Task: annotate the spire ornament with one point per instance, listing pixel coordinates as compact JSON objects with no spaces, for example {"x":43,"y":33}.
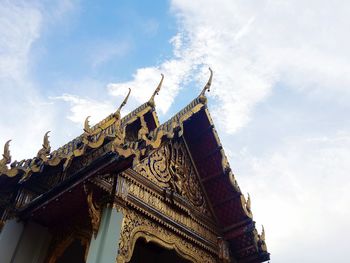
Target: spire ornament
{"x":156,"y":92}
{"x":262,"y":235}
{"x":87,"y":127}
{"x":246,"y":205}
{"x":46,"y":148}
{"x":117,"y":113}
{"x":261,"y":242}
{"x":46,"y":142}
{"x":6,"y":155}
{"x":119,"y":132}
{"x":206,"y":87}
{"x":10,"y":172}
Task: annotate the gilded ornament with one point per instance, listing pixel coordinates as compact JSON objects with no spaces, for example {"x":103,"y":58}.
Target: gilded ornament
{"x":170,"y":167}
{"x":87,"y":127}
{"x":6,"y":155}
{"x":224,"y":251}
{"x":7,"y":160}
{"x":262,"y":235}
{"x":206,"y":87}
{"x":143,"y":131}
{"x":262,"y":240}
{"x":156,"y":92}
{"x":136,"y":226}
{"x":44,"y":152}
{"x":117,"y":113}
{"x":246,"y":205}
{"x":94,"y":212}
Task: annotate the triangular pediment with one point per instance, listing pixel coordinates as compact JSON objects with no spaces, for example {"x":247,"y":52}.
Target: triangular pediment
{"x":171,"y":168}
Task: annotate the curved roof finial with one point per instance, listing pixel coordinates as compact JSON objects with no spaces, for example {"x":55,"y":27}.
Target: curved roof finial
{"x":248,"y":205}
{"x":6,"y":155}
{"x":46,"y":142}
{"x":151,"y":100}
{"x":87,"y":127}
{"x":123,"y":103}
{"x":207,"y":86}
{"x":262,"y":235}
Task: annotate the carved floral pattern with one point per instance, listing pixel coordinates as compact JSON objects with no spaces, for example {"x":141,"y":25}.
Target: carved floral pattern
{"x":137,"y":226}
{"x":170,"y":167}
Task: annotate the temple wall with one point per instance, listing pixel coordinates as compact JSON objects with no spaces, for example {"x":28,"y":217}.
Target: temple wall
{"x":21,"y":243}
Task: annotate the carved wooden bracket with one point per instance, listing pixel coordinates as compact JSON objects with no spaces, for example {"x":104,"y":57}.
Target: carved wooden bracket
{"x":224,"y":252}
{"x":95,"y":211}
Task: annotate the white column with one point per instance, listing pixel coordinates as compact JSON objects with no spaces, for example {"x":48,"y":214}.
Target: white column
{"x":23,"y":243}
{"x":33,"y":245}
{"x":9,"y":239}
{"x":104,"y":247}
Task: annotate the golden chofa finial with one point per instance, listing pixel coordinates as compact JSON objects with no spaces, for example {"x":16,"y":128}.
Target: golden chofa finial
{"x":117,"y":113}
{"x":262,"y":235}
{"x":156,"y":92}
{"x":45,"y":151}
{"x":6,"y":155}
{"x":87,"y":127}
{"x":207,"y":86}
{"x":248,"y":203}
{"x":46,"y":142}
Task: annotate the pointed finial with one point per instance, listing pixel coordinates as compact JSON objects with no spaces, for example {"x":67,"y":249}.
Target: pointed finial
{"x":87,"y":128}
{"x":123,"y":104}
{"x":6,"y":155}
{"x":248,"y":203}
{"x":207,"y":86}
{"x":46,"y":142}
{"x":45,"y":151}
{"x":156,"y":92}
{"x":262,"y":236}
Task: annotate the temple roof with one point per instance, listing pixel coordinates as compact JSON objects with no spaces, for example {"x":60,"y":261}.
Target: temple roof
{"x":231,"y":209}
{"x":23,"y":169}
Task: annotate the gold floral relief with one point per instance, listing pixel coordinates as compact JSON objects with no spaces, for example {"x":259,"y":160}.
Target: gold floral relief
{"x":159,"y":166}
{"x":170,"y":167}
{"x":168,"y":210}
{"x":137,"y":226}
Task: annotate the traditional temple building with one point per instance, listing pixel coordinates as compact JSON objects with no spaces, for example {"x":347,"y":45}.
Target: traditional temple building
{"x":129,"y":190}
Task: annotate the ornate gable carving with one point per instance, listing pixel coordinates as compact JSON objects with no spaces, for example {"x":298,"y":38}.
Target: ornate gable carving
{"x":170,"y":167}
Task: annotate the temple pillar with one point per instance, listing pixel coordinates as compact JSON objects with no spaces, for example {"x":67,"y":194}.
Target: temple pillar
{"x":9,"y":239}
{"x":22,"y":243}
{"x":104,"y":247}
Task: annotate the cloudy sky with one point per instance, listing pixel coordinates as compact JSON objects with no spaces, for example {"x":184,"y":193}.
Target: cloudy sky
{"x":280,"y":97}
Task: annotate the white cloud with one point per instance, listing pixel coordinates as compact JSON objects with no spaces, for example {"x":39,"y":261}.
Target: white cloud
{"x":252,"y":46}
{"x":146,"y":80}
{"x":25,"y":114}
{"x":80,"y":108}
{"x":19,"y":27}
{"x":300,"y":192}
{"x":20,"y":102}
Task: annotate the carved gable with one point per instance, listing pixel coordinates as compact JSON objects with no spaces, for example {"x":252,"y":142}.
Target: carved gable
{"x":171,"y":168}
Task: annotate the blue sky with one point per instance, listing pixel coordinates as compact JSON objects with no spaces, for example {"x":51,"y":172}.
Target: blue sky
{"x":280,"y":94}
{"x":97,"y":38}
